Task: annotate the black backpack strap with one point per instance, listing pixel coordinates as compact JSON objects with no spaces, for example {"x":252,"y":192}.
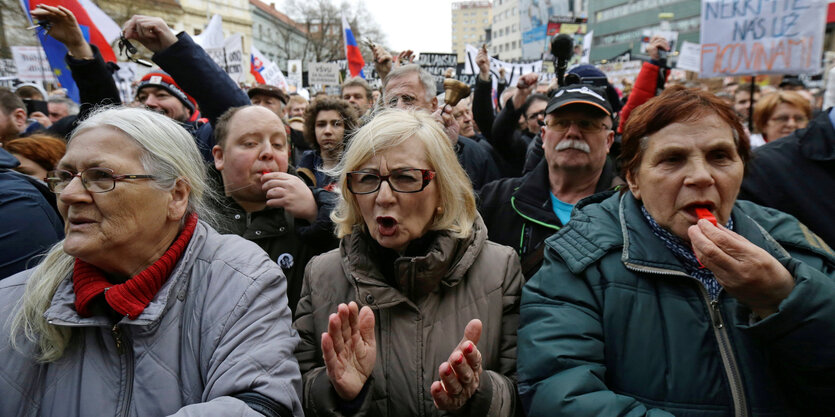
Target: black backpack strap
{"x":264,"y":405}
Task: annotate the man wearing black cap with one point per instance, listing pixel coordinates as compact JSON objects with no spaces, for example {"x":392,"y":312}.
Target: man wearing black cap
{"x":522,"y":212}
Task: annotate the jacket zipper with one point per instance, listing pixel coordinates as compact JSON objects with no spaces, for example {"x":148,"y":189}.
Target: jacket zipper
{"x":721,"y":334}
{"x":419,"y":325}
{"x":126,"y":361}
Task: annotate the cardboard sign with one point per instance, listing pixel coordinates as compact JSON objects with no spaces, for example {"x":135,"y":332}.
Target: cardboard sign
{"x":512,"y":71}
{"x":745,"y":37}
{"x":32,"y":64}
{"x":322,"y":73}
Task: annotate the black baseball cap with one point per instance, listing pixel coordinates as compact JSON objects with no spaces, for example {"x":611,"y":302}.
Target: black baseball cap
{"x":577,"y":94}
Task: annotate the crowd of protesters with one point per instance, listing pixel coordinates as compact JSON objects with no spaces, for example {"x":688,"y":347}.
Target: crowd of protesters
{"x":569,"y":250}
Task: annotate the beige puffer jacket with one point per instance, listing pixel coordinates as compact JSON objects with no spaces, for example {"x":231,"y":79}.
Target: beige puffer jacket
{"x":456,"y":281}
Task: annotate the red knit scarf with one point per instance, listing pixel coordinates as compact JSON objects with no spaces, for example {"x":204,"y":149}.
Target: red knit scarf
{"x":131,"y":297}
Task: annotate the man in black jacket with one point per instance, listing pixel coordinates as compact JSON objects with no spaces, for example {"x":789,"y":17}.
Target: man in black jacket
{"x":522,"y":212}
{"x":410,"y":86}
{"x":796,"y":174}
{"x":265,"y":201}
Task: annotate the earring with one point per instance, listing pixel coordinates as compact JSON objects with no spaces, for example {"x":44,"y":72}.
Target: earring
{"x":439,"y":210}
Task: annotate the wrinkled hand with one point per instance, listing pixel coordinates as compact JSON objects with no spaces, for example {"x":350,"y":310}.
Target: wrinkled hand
{"x":461,"y":373}
{"x":482,"y":60}
{"x":349,"y":349}
{"x":41,"y":118}
{"x":450,"y":125}
{"x":404,"y":58}
{"x":291,"y":193}
{"x":64,"y":29}
{"x":655,"y":43}
{"x":151,"y":32}
{"x":524,"y":87}
{"x":746,"y":271}
{"x":382,"y":61}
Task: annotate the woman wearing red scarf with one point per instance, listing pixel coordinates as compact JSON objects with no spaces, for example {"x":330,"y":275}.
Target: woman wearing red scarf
{"x":144,"y":309}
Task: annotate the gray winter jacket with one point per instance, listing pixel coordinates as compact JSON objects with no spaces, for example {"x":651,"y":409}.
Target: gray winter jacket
{"x":217,"y":332}
{"x":419,"y":322}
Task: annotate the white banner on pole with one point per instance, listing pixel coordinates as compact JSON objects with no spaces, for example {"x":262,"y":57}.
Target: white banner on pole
{"x":32,"y":64}
{"x":512,"y":71}
{"x":765,"y":37}
{"x":322,"y":73}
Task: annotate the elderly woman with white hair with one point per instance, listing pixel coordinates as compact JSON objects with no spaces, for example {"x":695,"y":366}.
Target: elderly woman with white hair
{"x":416,"y":312}
{"x":144,"y":309}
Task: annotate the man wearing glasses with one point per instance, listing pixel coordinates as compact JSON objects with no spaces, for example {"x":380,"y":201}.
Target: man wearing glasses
{"x":522,"y":212}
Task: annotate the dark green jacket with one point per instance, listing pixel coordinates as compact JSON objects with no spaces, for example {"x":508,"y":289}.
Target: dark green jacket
{"x":611,"y":325}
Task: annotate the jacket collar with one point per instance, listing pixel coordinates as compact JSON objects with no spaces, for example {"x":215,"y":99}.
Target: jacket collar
{"x":445,"y":263}
{"x":817,"y":141}
{"x":63,"y":311}
{"x":533,"y":198}
{"x":616,"y":223}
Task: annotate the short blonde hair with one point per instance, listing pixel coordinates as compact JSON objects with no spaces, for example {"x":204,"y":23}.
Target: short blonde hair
{"x":388,"y":129}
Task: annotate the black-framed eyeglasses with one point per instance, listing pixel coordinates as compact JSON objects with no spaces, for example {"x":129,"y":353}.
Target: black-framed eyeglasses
{"x":406,"y":180}
{"x":127,"y":48}
{"x":585,"y":125}
{"x":94,"y":180}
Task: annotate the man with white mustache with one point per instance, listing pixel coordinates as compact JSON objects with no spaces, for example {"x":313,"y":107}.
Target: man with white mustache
{"x":522,"y":212}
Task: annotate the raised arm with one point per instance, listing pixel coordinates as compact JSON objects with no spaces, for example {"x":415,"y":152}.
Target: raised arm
{"x":189,"y":65}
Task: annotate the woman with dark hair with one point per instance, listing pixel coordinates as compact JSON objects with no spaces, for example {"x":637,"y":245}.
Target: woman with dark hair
{"x":37,"y":154}
{"x":327,"y":123}
{"x":672,"y":297}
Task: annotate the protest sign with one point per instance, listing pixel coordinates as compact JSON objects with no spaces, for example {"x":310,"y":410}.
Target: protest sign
{"x":689,"y":57}
{"x":745,"y":37}
{"x":294,"y":72}
{"x":436,"y":64}
{"x":512,"y":71}
{"x":31,"y":64}
{"x":322,"y":73}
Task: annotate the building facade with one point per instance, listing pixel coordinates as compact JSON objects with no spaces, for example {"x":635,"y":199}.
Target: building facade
{"x":619,"y":25}
{"x":276,"y":35}
{"x":470,"y":21}
{"x":506,"y":35}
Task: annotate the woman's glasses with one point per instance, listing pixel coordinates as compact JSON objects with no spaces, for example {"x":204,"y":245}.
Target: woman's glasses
{"x":406,"y":180}
{"x":94,"y":180}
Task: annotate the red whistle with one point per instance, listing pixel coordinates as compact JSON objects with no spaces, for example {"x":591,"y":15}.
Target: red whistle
{"x":267,"y":171}
{"x":704,"y":213}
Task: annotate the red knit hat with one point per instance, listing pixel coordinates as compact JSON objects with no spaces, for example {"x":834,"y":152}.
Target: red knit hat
{"x":160,"y":79}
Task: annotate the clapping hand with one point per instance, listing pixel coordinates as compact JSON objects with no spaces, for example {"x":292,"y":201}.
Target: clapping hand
{"x":349,"y":349}
{"x":461,"y":373}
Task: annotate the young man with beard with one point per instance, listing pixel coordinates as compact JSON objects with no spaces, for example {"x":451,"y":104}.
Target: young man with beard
{"x":327,"y":123}
{"x":522,"y":212}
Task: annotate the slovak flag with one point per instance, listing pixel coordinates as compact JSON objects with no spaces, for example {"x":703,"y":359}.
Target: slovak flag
{"x":265,"y":71}
{"x":102,"y":34}
{"x":352,"y":50}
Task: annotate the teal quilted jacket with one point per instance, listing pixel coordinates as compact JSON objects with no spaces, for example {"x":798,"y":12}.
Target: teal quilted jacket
{"x":611,"y":325}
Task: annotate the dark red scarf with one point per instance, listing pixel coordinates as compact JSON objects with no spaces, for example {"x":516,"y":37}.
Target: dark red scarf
{"x":131,"y":297}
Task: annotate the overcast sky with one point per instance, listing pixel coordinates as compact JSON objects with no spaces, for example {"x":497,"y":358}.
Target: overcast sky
{"x":422,"y":25}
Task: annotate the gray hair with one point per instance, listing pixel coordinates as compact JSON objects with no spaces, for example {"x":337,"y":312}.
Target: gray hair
{"x":427,"y":79}
{"x":72,"y":106}
{"x":170,"y":153}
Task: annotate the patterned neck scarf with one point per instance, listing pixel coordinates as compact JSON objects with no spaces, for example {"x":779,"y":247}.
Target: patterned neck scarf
{"x":684,"y":253}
